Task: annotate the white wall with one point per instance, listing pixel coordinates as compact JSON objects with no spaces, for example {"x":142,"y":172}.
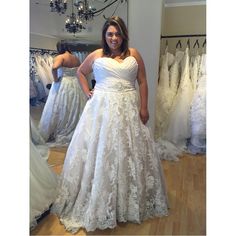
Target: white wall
{"x":183,"y":20}
{"x":144,"y":25}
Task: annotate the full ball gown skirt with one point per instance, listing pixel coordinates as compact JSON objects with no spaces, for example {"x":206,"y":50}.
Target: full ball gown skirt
{"x":112,"y":170}
{"x":62,"y":110}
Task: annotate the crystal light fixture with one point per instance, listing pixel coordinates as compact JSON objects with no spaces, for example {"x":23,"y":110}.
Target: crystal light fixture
{"x":84,"y":10}
{"x":73,"y":24}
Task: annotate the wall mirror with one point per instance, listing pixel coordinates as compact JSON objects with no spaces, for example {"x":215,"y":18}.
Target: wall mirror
{"x":47,"y":27}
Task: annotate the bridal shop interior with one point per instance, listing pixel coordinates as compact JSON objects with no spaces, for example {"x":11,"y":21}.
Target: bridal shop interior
{"x":171,"y":37}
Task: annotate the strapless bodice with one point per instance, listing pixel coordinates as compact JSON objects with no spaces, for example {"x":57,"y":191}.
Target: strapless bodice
{"x":114,"y":76}
{"x":64,"y":71}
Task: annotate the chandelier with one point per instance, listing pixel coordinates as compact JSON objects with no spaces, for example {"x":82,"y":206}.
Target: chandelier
{"x":85,"y":12}
{"x":73,"y":23}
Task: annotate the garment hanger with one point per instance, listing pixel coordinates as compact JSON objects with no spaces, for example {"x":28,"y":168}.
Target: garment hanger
{"x":204,"y":43}
{"x":178,"y":44}
{"x":166,"y":48}
{"x":188,"y":43}
{"x":166,"y":43}
{"x":196,"y":43}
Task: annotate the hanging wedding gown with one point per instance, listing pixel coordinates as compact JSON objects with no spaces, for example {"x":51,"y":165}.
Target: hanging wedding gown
{"x":62,"y":110}
{"x":174,"y":75}
{"x":43,"y":184}
{"x":198,"y":112}
{"x":178,"y":130}
{"x":112,"y":170}
{"x":163,"y":98}
{"x":42,"y":69}
{"x":38,"y":140}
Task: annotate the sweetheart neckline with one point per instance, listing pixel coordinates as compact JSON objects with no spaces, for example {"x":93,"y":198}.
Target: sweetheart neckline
{"x":116,"y":60}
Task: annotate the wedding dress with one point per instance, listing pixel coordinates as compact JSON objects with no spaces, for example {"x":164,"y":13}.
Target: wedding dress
{"x":62,"y":110}
{"x":43,"y":184}
{"x":163,"y":99}
{"x":198,"y":112}
{"x":112,"y":170}
{"x":38,"y":140}
{"x":179,"y":130}
{"x":42,"y":70}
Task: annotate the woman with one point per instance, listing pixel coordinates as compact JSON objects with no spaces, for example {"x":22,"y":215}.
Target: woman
{"x":112,"y":171}
{"x":65,"y":101}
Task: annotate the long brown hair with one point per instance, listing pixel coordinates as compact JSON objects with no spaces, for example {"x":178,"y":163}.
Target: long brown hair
{"x":119,"y":23}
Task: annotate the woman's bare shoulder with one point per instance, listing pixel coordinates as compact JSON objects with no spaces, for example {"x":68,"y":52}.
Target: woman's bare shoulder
{"x":94,"y":55}
{"x":97,"y":53}
{"x":134,"y":52}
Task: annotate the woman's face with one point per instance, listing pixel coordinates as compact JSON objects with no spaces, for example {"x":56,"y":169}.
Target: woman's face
{"x":113,"y":38}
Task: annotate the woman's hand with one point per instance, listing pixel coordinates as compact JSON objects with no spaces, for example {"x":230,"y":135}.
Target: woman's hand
{"x":144,"y":115}
{"x":89,"y":94}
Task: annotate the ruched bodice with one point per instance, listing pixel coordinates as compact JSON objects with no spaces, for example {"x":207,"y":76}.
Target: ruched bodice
{"x":114,"y":76}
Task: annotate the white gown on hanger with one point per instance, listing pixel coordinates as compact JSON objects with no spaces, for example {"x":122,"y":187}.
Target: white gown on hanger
{"x":42,"y":71}
{"x":163,"y":98}
{"x":198,"y":112}
{"x":38,"y":140}
{"x":62,"y":110}
{"x":43,"y":183}
{"x":112,"y":170}
{"x":174,"y":79}
{"x":178,"y":130}
{"x":174,"y":75}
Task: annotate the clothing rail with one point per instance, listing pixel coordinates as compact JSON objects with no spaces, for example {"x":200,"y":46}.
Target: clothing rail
{"x":182,"y":36}
{"x":42,"y":50}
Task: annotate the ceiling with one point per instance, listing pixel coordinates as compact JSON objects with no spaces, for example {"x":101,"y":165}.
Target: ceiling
{"x":51,"y":24}
{"x":183,"y":2}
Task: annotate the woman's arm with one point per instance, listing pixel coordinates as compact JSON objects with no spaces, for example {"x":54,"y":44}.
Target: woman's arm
{"x":143,"y":87}
{"x":84,"y":69}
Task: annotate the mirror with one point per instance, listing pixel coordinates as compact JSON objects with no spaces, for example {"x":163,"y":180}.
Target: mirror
{"x":46,"y":29}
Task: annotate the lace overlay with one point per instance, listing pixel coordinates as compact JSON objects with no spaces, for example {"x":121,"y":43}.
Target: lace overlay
{"x":164,"y":95}
{"x":198,"y":112}
{"x":112,"y":171}
{"x":62,"y":110}
{"x":179,"y":130}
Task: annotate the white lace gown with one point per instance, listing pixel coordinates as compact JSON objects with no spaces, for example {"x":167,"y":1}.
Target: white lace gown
{"x":198,"y":112}
{"x":112,"y":170}
{"x":163,"y":99}
{"x":38,"y":140}
{"x":43,"y":184}
{"x":43,"y":68}
{"x":179,"y":129}
{"x":62,"y":110}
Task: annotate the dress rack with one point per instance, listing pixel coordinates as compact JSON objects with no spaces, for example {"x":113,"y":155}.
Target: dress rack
{"x":182,"y":36}
{"x":43,"y":51}
{"x":179,"y":44}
